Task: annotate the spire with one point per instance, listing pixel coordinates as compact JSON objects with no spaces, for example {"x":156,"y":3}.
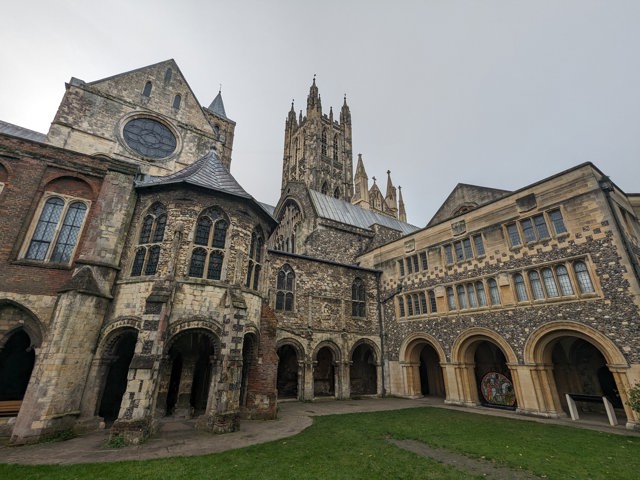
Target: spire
{"x":402,"y":213}
{"x":217,"y":106}
{"x":360,"y":171}
{"x":361,"y":184}
{"x":345,"y":113}
{"x":390,"y":198}
{"x":291,"y":118}
{"x":313,"y":100}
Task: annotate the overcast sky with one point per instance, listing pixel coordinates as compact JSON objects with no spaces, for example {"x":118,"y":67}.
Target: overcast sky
{"x":492,"y":93}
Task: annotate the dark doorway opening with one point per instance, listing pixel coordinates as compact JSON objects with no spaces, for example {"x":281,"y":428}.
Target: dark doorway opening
{"x":287,"y":382}
{"x":363,"y":372}
{"x":116,"y":381}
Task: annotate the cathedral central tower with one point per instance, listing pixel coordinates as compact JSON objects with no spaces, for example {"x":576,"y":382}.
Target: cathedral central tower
{"x":317,"y":149}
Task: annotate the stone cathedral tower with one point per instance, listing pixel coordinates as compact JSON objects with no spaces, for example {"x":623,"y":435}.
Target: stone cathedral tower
{"x":317,"y":149}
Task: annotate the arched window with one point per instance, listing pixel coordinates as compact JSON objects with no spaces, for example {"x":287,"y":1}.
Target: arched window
{"x":471,"y":294}
{"x":582,"y":275}
{"x":358,"y":299}
{"x":56,"y":234}
{"x":423,"y":303}
{"x":550,"y":283}
{"x":536,"y":285}
{"x":432,"y":301}
{"x":151,"y":236}
{"x":210,"y":237}
{"x":451,"y":298}
{"x":521,"y":289}
{"x":147,"y":89}
{"x":335,"y":147}
{"x":336,"y":192}
{"x":285,"y":284}
{"x":323,"y":142}
{"x":482,"y":297}
{"x":462,"y":298}
{"x":167,"y":75}
{"x":255,"y":259}
{"x":563,"y":279}
{"x":176,"y":102}
{"x":325,"y":189}
{"x":494,"y":294}
{"x":401,"y":311}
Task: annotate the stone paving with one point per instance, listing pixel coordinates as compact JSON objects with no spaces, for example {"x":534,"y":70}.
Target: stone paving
{"x":179,"y":438}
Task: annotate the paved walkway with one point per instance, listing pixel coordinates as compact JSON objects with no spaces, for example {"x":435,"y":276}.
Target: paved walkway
{"x":178,"y":437}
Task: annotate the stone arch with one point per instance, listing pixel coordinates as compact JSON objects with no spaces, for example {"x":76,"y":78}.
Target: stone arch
{"x":482,"y":356}
{"x":290,"y":373}
{"x":553,"y":349}
{"x":117,"y":350}
{"x":326,"y":377}
{"x":106,"y":336}
{"x":539,"y":339}
{"x":18,"y":316}
{"x":210,"y":324}
{"x":421,"y":359}
{"x":189,"y":365}
{"x":364,"y":368}
{"x":62,"y":184}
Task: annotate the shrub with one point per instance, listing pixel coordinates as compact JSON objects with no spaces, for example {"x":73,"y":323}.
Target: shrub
{"x":634,"y":397}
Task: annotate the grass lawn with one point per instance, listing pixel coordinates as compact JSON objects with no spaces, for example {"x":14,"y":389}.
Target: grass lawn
{"x":356,"y":447}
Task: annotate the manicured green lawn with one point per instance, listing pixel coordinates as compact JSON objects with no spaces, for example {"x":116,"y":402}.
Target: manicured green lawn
{"x":354,"y":447}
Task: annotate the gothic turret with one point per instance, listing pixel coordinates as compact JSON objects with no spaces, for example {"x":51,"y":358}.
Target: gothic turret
{"x":402,"y":213}
{"x":391,"y":205}
{"x":361,"y":184}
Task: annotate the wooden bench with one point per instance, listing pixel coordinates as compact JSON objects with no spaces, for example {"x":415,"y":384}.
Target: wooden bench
{"x":572,"y":398}
{"x":10,"y":408}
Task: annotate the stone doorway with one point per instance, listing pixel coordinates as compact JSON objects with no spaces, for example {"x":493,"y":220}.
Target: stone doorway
{"x":363,"y":371}
{"x":287,"y":382}
{"x":431,"y":379}
{"x":324,"y":374}
{"x":189,"y":362}
{"x":17,"y":358}
{"x":493,"y":377}
{"x":119,"y":357}
{"x":580,"y":368}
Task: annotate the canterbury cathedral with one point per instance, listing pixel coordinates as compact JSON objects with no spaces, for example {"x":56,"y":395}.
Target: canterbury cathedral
{"x":139,"y":280}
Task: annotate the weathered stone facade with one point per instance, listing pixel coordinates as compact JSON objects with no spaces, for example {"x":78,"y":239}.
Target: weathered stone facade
{"x":138,"y":279}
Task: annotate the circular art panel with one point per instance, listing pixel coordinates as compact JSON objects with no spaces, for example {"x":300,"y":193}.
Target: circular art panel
{"x":497,"y":389}
{"x":149,"y":138}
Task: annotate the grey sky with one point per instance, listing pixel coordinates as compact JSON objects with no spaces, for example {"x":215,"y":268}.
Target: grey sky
{"x":492,"y":93}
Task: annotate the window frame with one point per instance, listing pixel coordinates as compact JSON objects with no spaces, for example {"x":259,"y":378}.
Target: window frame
{"x":68,"y":201}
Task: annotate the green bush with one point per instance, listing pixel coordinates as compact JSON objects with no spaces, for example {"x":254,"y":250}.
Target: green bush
{"x":634,"y":397}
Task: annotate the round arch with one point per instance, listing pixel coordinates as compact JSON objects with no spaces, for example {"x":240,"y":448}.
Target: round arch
{"x":536,"y":351}
{"x":293,"y":343}
{"x":463,"y":353}
{"x":409,"y":353}
{"x":335,"y":350}
{"x":28,"y":321}
{"x":369,"y":343}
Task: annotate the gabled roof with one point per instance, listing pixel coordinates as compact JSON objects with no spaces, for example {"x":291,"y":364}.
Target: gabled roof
{"x":344,"y":212}
{"x":16,"y":131}
{"x":208,"y":172}
{"x":468,"y":196}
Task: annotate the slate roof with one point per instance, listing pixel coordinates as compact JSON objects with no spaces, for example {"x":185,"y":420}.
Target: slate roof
{"x":344,"y":212}
{"x":16,"y":131}
{"x":217,"y":106}
{"x":208,"y":172}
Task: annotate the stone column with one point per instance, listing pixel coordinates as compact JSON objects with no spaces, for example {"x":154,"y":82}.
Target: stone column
{"x":411,"y":372}
{"x":183,"y":405}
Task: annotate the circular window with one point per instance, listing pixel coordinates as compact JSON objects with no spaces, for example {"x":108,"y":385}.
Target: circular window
{"x":149,"y":138}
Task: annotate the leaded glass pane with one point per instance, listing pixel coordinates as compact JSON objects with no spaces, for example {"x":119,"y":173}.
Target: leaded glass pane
{"x":161,"y":222}
{"x":280,"y":280}
{"x":68,"y":236}
{"x":459,"y":251}
{"x":409,"y":305}
{"x":409,"y":265}
{"x":202,"y":231}
{"x":401,"y":267}
{"x":462,"y":298}
{"x":288,"y":302}
{"x":471,"y":294}
{"x":557,"y":221}
{"x":256,"y":276}
{"x":152,"y":262}
{"x":138,"y":262}
{"x":145,"y":232}
{"x":45,"y":229}
{"x":521,"y":290}
{"x":448,"y":253}
{"x":416,"y":304}
{"x":196,"y":267}
{"x":149,"y":138}
{"x":215,"y":266}
{"x":563,"y":279}
{"x":451,"y":298}
{"x":527,"y":230}
{"x":423,"y":260}
{"x":423,"y":302}
{"x":477,"y":240}
{"x":401,"y":306}
{"x":582,"y":275}
{"x":220,"y":233}
{"x":259,"y":245}
{"x":482,"y":297}
{"x":550,"y":283}
{"x":432,"y":302}
{"x":541,"y":226}
{"x":494,"y":294}
{"x":468,"y":252}
{"x":280,"y":301}
{"x":514,"y":235}
{"x":416,"y":266}
{"x":536,"y":285}
{"x":289,"y":280}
